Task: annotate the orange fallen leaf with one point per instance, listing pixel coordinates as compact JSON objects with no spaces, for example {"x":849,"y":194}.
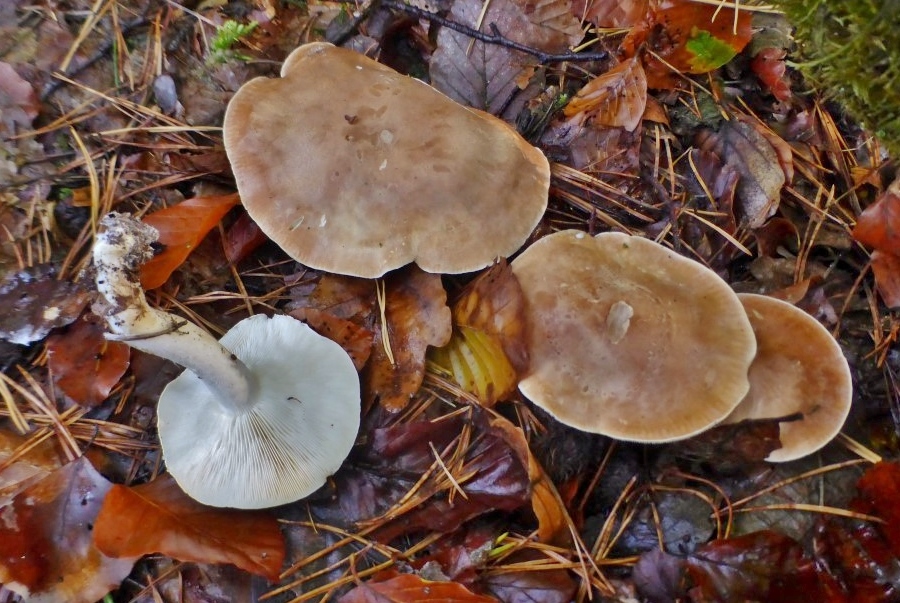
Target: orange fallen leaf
{"x":878,"y":225}
{"x":356,"y":340}
{"x":159,"y":518}
{"x":616,"y":98}
{"x":417,"y":316}
{"x":46,"y":550}
{"x":886,"y":267}
{"x":181,"y":228}
{"x":410,"y":588}
{"x":84,"y":364}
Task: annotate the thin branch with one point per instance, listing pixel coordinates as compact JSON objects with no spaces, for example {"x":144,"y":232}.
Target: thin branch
{"x":495,"y":37}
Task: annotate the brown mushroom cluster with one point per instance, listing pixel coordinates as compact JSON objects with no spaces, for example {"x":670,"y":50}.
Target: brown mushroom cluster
{"x":630,"y":340}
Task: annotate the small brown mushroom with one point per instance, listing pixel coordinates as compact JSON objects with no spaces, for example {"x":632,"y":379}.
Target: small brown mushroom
{"x":355,"y":169}
{"x":799,"y":368}
{"x":629,"y":339}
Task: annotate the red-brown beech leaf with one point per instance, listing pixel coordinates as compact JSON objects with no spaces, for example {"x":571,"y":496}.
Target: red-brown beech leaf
{"x":761,"y":566}
{"x":856,"y":560}
{"x":34,"y":302}
{"x":524,"y":585}
{"x":417,"y":317}
{"x":356,"y":340}
{"x":616,"y":98}
{"x":242,"y":238}
{"x":689,"y":36}
{"x":878,"y":493}
{"x":159,"y":518}
{"x":85,"y":365}
{"x":770,"y":68}
{"x":619,"y":14}
{"x":410,"y":588}
{"x":886,"y":267}
{"x":878,"y":225}
{"x":46,"y":549}
{"x":181,"y":228}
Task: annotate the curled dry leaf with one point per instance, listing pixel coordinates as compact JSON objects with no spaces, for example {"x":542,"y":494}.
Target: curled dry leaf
{"x":159,"y":518}
{"x":487,"y":353}
{"x":181,"y":228}
{"x":84,"y":364}
{"x":417,"y":316}
{"x":616,"y":98}
{"x":743,"y":147}
{"x":410,"y":588}
{"x":46,"y":549}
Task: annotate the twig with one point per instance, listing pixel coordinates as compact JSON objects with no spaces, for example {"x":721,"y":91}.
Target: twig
{"x":495,"y":37}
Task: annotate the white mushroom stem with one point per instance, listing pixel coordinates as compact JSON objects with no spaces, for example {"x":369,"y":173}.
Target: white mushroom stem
{"x":122,"y":246}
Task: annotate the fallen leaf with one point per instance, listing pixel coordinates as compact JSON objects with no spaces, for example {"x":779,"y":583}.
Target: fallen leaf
{"x":242,"y":238}
{"x":159,"y":518}
{"x":657,"y":576}
{"x":611,"y":13}
{"x":84,"y":364}
{"x":878,"y":226}
{"x":886,"y":267}
{"x":36,"y":302}
{"x":22,"y":463}
{"x":761,"y":566}
{"x":46,"y":549}
{"x":19,"y":104}
{"x":729,"y":448}
{"x":689,"y":37}
{"x":485,"y":76}
{"x":345,"y":297}
{"x":526,"y":585}
{"x":770,"y":68}
{"x":476,"y":361}
{"x":415,"y":308}
{"x":181,"y":228}
{"x":616,"y":98}
{"x":357,"y":341}
{"x":409,"y":588}
{"x":856,"y":561}
{"x":741,"y":146}
{"x":878,"y":493}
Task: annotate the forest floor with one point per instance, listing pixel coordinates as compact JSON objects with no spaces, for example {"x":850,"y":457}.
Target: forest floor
{"x":682,"y":121}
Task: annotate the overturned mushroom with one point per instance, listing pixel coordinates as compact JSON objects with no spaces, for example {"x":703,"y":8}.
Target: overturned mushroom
{"x":799,"y":368}
{"x":629,"y":339}
{"x":355,"y":169}
{"x":261,"y":418}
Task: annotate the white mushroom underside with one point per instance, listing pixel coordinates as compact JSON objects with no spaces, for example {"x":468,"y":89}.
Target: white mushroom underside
{"x":287,"y":445}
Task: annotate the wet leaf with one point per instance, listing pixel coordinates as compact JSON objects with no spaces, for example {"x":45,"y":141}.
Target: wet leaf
{"x":741,"y":146}
{"x":529,"y":586}
{"x":612,"y":13}
{"x":84,"y":364}
{"x":23,"y":463}
{"x":181,"y":228}
{"x":616,"y":98}
{"x":878,"y":225}
{"x":242,"y":238}
{"x":762,"y":566}
{"x":409,"y":588}
{"x":46,"y":549}
{"x":770,"y":68}
{"x":729,"y":448}
{"x":657,"y":576}
{"x":878,"y":493}
{"x":485,"y":76}
{"x":886,"y":267}
{"x":859,"y":565}
{"x":35,"y":302}
{"x":159,"y":518}
{"x":415,"y":307}
{"x":690,"y":37}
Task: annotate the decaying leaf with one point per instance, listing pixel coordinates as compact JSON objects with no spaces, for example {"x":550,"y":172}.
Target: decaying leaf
{"x":485,"y":76}
{"x":84,"y":364}
{"x":513,"y":586}
{"x":727,"y":448}
{"x":46,"y":548}
{"x":770,"y":68}
{"x":690,"y":37}
{"x":22,"y":463}
{"x":858,"y":564}
{"x":616,"y":98}
{"x":739,"y":145}
{"x":417,"y":316}
{"x":159,"y":518}
{"x":410,"y":588}
{"x":181,"y":228}
{"x":357,"y":341}
{"x":34,"y":302}
{"x":611,"y":13}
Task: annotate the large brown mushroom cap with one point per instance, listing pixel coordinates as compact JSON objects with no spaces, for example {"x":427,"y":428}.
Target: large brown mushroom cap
{"x":799,"y":368}
{"x":355,"y":169}
{"x":629,"y":339}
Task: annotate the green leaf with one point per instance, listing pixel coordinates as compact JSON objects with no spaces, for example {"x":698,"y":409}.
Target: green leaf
{"x":709,"y":52}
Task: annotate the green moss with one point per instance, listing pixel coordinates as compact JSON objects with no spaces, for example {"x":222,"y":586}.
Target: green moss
{"x":229,"y":34}
{"x":851,"y":53}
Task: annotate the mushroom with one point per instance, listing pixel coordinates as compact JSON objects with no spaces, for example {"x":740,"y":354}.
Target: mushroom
{"x":355,"y":169}
{"x":258,"y":419}
{"x":630,"y":340}
{"x":799,"y":368}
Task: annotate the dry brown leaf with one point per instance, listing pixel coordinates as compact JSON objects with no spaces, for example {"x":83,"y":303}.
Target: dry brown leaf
{"x":35,"y":302}
{"x":410,"y":588}
{"x":616,"y":98}
{"x":417,"y":317}
{"x":46,"y":548}
{"x":886,"y":267}
{"x":356,"y":340}
{"x":612,"y":13}
{"x":740,"y":145}
{"x":159,"y":518}
{"x":25,"y":469}
{"x":878,"y":225}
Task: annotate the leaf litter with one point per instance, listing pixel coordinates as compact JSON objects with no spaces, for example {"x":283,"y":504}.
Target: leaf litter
{"x":683,"y":125}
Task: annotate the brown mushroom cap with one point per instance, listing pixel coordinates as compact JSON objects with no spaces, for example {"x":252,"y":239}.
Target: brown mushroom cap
{"x":629,"y":339}
{"x":799,"y":368}
{"x":355,"y":169}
